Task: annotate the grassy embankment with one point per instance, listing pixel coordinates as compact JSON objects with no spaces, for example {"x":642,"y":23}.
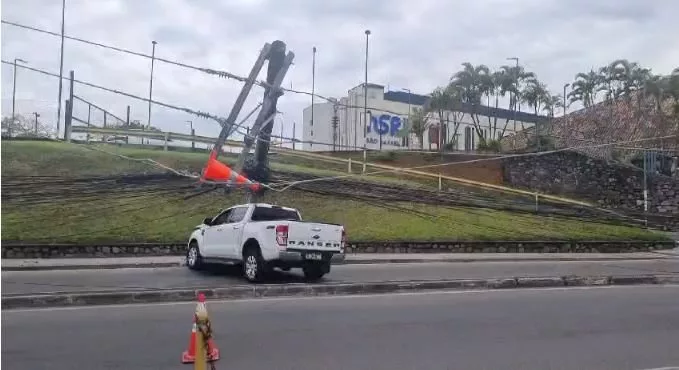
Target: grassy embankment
{"x":158,"y":216}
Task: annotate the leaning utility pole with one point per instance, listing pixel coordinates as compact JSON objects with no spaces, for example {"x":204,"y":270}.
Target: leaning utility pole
{"x":228,"y":127}
{"x":279,"y":63}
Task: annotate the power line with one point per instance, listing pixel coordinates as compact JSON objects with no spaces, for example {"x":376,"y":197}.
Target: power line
{"x":167,"y":105}
{"x":481,"y":160}
{"x":211,"y":71}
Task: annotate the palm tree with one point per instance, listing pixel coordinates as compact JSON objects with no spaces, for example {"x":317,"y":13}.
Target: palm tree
{"x":551,"y":103}
{"x":439,"y":102}
{"x":656,"y":87}
{"x":585,"y":88}
{"x":472,"y":83}
{"x":419,"y":123}
{"x":534,"y":94}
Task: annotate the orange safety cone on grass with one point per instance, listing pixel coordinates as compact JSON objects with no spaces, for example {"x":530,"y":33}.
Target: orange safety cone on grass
{"x":197,"y":353}
{"x":219,"y":172}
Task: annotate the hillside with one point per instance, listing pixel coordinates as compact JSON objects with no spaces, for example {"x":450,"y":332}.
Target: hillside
{"x":57,"y":192}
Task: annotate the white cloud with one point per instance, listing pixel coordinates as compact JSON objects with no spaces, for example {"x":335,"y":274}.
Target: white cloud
{"x":418,"y":45}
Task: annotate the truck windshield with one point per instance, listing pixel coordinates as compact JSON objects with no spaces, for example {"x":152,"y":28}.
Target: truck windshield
{"x":274,"y":214}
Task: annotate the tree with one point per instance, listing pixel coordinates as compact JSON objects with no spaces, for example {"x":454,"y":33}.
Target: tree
{"x":534,"y":94}
{"x":512,"y":82}
{"x":471,"y":84}
{"x":623,"y":77}
{"x":419,"y":123}
{"x":23,"y":127}
{"x":441,"y":101}
{"x":585,"y":88}
{"x":551,"y":103}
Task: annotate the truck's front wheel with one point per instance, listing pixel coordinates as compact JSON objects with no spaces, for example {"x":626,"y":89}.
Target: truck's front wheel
{"x":254,"y":266}
{"x":194,"y":260}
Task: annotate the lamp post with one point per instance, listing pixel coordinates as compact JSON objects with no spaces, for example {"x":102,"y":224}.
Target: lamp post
{"x":313,"y":83}
{"x":193,"y":133}
{"x":14,"y":92}
{"x":564,"y":98}
{"x":514,"y":95}
{"x":36,"y":123}
{"x":365,"y":103}
{"x":153,"y":57}
{"x":408,"y":126}
{"x":61,"y":64}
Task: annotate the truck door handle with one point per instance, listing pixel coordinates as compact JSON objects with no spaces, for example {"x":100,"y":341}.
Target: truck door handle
{"x":236,"y":227}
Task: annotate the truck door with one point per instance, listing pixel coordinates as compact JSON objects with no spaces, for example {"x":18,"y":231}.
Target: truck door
{"x":232,"y":233}
{"x":213,"y":242}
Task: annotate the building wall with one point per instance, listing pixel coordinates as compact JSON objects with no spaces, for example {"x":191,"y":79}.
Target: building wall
{"x":388,"y":114}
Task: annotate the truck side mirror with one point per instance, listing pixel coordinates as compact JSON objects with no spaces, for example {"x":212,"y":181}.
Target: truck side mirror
{"x":207,"y":221}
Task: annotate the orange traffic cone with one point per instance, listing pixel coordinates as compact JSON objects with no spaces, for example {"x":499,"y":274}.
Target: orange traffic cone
{"x":218,"y":171}
{"x":189,"y":356}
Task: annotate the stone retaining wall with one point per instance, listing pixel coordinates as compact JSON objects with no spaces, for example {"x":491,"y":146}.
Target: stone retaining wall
{"x":177,"y":249}
{"x":607,"y":184}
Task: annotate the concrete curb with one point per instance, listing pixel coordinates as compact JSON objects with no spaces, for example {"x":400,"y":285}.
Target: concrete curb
{"x":309,"y":290}
{"x":92,"y":267}
{"x":346,"y":262}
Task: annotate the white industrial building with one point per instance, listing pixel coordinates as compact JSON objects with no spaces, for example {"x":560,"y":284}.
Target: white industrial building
{"x":388,"y":114}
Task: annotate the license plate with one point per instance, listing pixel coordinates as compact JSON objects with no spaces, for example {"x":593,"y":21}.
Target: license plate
{"x":313,"y":256}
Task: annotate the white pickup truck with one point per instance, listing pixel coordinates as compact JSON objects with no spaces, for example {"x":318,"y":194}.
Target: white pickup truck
{"x":262,"y":236}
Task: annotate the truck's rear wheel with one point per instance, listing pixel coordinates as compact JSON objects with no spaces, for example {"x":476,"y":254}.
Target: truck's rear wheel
{"x":194,"y":260}
{"x":314,"y":272}
{"x":254,"y":266}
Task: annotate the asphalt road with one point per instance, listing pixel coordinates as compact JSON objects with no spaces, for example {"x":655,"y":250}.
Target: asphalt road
{"x":615,"y":328}
{"x":25,"y":282}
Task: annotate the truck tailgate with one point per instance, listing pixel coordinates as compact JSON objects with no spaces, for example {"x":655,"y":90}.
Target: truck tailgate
{"x":314,"y":236}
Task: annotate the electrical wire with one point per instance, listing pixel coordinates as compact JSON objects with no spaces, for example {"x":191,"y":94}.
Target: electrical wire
{"x":211,"y":71}
{"x":200,"y":114}
{"x":126,"y":51}
{"x":305,"y":181}
{"x":478,"y":160}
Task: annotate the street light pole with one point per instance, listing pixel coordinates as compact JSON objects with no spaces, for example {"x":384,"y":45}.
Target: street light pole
{"x":564,"y":98}
{"x":14,"y":92}
{"x":36,"y":122}
{"x":313,"y":83}
{"x":193,"y":142}
{"x":409,"y":123}
{"x":515,"y":95}
{"x":153,"y":56}
{"x":365,"y":103}
{"x":61,"y":64}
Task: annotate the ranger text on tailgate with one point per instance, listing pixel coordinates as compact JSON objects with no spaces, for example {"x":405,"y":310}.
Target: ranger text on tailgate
{"x":263,"y":236}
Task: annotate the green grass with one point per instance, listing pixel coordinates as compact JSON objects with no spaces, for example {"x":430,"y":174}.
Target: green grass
{"x":170,"y":218}
{"x":32,"y":158}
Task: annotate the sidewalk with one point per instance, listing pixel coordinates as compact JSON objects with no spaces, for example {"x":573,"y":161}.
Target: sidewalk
{"x":367,"y":258}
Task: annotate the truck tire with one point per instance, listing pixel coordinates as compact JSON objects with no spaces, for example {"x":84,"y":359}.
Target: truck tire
{"x":254,"y":266}
{"x":314,"y":272}
{"x":194,"y":260}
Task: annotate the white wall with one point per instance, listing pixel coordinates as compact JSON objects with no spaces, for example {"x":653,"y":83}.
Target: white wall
{"x":350,"y":131}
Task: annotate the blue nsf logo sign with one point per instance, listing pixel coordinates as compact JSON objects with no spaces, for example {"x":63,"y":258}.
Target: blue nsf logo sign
{"x":390,"y":128}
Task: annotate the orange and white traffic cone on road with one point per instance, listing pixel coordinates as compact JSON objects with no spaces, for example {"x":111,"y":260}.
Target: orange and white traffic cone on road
{"x":197,"y":353}
{"x":219,"y":172}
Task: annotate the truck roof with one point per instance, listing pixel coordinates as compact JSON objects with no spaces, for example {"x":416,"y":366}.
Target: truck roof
{"x":267,"y":205}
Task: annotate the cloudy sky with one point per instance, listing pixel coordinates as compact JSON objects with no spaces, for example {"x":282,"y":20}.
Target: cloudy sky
{"x":414,"y":44}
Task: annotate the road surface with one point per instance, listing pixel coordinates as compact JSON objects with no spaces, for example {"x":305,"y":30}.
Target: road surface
{"x":25,"y":282}
{"x":616,"y":328}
